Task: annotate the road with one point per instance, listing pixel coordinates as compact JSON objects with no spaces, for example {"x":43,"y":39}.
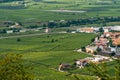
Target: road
{"x":27,"y":35}
{"x":5,"y":37}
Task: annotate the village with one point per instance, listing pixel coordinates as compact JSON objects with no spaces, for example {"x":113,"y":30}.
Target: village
{"x":104,"y":48}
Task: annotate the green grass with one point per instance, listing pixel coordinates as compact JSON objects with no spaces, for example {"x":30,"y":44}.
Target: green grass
{"x":45,"y":56}
{"x":42,"y":42}
{"x":35,"y":11}
{"x":40,"y":51}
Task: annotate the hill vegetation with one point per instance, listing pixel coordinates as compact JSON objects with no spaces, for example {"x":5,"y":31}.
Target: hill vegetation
{"x":46,"y":52}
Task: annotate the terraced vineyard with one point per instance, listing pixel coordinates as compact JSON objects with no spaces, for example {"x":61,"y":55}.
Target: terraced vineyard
{"x":46,"y":52}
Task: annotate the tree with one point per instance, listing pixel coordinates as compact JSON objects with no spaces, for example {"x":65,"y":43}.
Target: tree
{"x":113,"y":53}
{"x":3,"y":31}
{"x":68,"y":30}
{"x":101,"y":30}
{"x":98,"y":49}
{"x":93,"y":39}
{"x":52,"y":40}
{"x":117,"y":70}
{"x":12,"y":68}
{"x":114,"y":1}
{"x":110,"y":43}
{"x":102,"y":71}
{"x":95,"y":53}
{"x":18,"y":39}
{"x":52,"y":24}
{"x":83,"y":49}
{"x":20,"y":23}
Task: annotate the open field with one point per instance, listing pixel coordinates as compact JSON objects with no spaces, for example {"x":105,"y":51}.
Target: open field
{"x":35,"y":10}
{"x":45,"y":55}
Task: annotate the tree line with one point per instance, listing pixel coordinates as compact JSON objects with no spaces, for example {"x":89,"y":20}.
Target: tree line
{"x":83,"y":21}
{"x":77,"y":22}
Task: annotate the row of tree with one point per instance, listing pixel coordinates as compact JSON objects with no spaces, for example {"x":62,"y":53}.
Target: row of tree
{"x":68,"y":23}
{"x":83,"y":21}
{"x":3,"y":31}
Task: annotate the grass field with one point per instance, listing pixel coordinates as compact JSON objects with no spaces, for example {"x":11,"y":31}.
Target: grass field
{"x":35,"y":11}
{"x":45,"y":52}
{"x":45,"y":55}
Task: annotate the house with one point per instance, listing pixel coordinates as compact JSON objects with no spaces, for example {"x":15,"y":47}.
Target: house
{"x":95,"y":59}
{"x":107,"y":34}
{"x":99,"y":58}
{"x":73,"y":32}
{"x":118,"y":51}
{"x":23,"y":30}
{"x":15,"y":26}
{"x":87,"y":30}
{"x":9,"y":31}
{"x":62,"y":20}
{"x":101,"y":42}
{"x":79,"y":50}
{"x":91,"y":49}
{"x":47,"y":30}
{"x":96,"y":29}
{"x":81,"y":63}
{"x":106,"y":29}
{"x":116,"y":28}
{"x":63,"y":66}
{"x":20,"y":2}
{"x":106,"y":53}
{"x":116,"y":41}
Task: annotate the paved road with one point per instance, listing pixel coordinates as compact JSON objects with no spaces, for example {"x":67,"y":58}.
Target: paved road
{"x":23,"y":35}
{"x":5,"y":37}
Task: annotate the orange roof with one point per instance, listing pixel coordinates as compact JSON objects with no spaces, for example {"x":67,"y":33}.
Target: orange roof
{"x":116,"y":41}
{"x":87,"y":29}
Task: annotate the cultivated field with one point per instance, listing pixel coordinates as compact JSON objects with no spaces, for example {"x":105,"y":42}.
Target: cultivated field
{"x":46,"y":52}
{"x":35,"y":10}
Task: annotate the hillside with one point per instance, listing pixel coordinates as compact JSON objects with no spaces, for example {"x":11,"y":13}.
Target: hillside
{"x":47,"y":33}
{"x":47,"y":51}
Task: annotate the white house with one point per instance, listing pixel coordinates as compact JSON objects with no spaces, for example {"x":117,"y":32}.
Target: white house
{"x":117,"y":28}
{"x":9,"y":31}
{"x":23,"y":30}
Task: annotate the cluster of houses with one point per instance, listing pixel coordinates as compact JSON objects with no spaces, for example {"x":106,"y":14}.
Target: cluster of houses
{"x":108,"y":44}
{"x":103,"y":46}
{"x":15,"y":26}
{"x":95,"y":59}
{"x":18,"y":28}
{"x":81,"y":63}
{"x":96,"y":29}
